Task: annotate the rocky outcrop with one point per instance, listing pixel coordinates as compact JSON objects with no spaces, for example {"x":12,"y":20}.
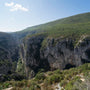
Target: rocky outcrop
{"x":61,"y":55}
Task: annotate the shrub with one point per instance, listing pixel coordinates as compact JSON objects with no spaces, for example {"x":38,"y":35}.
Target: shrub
{"x":58,"y":71}
{"x":40,"y":76}
{"x":68,"y":76}
{"x":63,"y":83}
{"x":19,"y":84}
{"x":41,"y":70}
{"x":33,"y":86}
{"x":50,"y":73}
{"x":53,"y":79}
{"x":69,"y":86}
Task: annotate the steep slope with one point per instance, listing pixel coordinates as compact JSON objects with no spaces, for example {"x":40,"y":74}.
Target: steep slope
{"x":78,"y":24}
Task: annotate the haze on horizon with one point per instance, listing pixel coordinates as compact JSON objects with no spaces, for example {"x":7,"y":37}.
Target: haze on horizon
{"x":17,"y":15}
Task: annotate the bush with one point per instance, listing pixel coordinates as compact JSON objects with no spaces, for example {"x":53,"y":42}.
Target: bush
{"x":58,"y":71}
{"x":17,"y":76}
{"x":40,"y":76}
{"x":69,"y":86}
{"x":68,"y":77}
{"x":19,"y":84}
{"x":50,"y":73}
{"x":54,"y":78}
{"x":33,"y":86}
{"x":41,"y":70}
{"x":63,"y":83}
{"x":6,"y":85}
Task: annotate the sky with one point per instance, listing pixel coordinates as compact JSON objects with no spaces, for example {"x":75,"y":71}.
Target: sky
{"x":16,"y":15}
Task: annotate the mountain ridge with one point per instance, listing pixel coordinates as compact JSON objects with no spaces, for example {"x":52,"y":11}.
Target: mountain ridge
{"x":57,"y":20}
{"x":69,"y":22}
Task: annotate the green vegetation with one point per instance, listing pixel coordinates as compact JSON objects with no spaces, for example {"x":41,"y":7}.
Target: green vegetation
{"x":69,"y":79}
{"x":20,"y":67}
{"x":71,"y":27}
{"x":75,"y":25}
{"x":40,"y":76}
{"x":77,"y":28}
{"x":73,"y":78}
{"x":4,"y":62}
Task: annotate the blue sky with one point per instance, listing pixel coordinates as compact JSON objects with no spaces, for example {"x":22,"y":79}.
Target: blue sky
{"x":17,"y":15}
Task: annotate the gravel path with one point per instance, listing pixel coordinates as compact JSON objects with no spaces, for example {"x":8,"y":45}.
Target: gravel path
{"x":8,"y":88}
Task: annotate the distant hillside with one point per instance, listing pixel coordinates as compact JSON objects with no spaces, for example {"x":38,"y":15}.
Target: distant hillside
{"x":7,"y":52}
{"x":70,"y":26}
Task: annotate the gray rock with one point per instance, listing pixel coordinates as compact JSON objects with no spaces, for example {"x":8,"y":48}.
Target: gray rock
{"x":63,"y":55}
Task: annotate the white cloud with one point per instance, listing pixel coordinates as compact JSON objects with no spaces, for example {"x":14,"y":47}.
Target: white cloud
{"x":9,"y":4}
{"x":16,"y":7}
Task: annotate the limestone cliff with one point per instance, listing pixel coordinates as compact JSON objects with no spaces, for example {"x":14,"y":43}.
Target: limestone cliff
{"x":60,"y":55}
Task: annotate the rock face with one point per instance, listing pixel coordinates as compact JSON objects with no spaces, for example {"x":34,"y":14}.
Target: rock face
{"x":62,"y":55}
{"x":57,"y":53}
{"x":30,"y":54}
